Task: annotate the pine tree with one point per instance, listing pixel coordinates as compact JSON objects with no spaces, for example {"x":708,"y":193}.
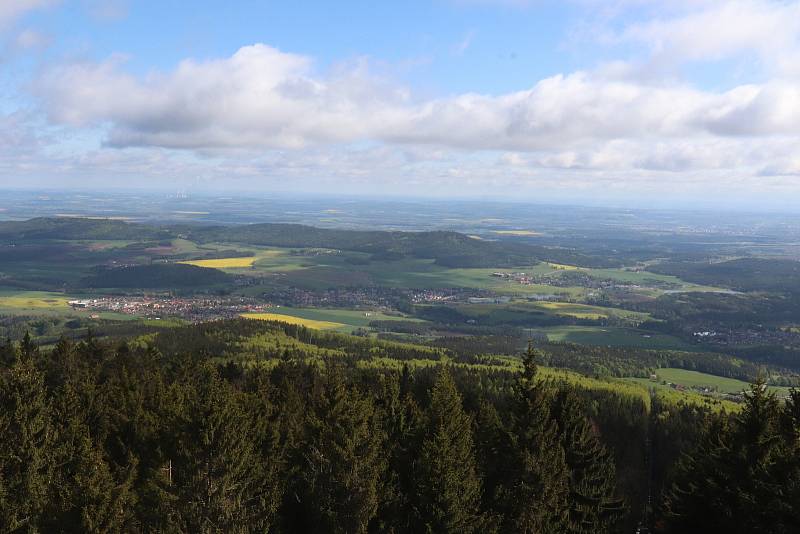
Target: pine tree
{"x":592,"y":504}
{"x":448,"y":487}
{"x":344,"y":465}
{"x":535,"y":495}
{"x":26,"y":463}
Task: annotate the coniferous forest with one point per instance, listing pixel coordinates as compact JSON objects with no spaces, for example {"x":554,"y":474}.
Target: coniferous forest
{"x":178,"y":432}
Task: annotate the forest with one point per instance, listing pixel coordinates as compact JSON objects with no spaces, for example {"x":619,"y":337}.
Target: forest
{"x":240,"y":426}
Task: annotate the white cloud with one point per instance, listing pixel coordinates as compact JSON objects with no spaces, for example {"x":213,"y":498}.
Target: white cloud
{"x":10,"y":10}
{"x":722,"y":29}
{"x":263,"y":98}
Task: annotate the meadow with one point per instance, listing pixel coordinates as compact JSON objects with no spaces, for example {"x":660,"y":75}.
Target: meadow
{"x":613,"y":336}
{"x":694,"y":379}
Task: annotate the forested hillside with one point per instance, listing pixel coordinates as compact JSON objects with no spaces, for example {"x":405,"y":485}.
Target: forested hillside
{"x":450,"y":249}
{"x":745,"y":274}
{"x":254,"y":426}
{"x":157,"y":275}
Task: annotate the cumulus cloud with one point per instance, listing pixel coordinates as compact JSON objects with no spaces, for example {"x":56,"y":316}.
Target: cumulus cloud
{"x":711,"y":30}
{"x":264,"y":98}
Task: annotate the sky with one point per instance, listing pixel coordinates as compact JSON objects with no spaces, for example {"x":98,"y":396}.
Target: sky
{"x":663,"y":103}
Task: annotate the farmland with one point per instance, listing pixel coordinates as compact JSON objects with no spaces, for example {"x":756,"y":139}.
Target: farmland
{"x":697,"y":380}
{"x":291,"y":319}
{"x":223,"y":263}
{"x":612,"y":336}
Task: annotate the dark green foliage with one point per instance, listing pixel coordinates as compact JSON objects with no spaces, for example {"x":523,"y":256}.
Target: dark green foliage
{"x":743,"y":475}
{"x":744,"y":274}
{"x":26,"y":436}
{"x":174,"y":436}
{"x":593,"y":504}
{"x":535,"y":495}
{"x":158,"y":275}
{"x":344,"y":465}
{"x":215,"y":479}
{"x":448,"y":487}
{"x":73,"y":228}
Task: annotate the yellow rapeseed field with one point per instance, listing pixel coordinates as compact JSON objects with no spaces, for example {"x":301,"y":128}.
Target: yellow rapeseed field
{"x":32,"y":299}
{"x":224,"y":263}
{"x":578,"y":311}
{"x":310,"y":323}
{"x":563,"y":267}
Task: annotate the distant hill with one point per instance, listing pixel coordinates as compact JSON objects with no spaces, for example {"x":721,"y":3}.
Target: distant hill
{"x":450,"y":249}
{"x":745,"y":274}
{"x":157,"y":276}
{"x":73,"y":228}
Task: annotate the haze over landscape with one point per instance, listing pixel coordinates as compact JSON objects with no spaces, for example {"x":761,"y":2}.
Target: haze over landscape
{"x":455,"y":266}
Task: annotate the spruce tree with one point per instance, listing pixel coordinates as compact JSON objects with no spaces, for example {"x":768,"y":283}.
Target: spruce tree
{"x":535,"y":495}
{"x":26,"y":436}
{"x":448,"y":487}
{"x":344,"y":464}
{"x":85,"y":493}
{"x":593,"y":506}
{"x":214,"y":480}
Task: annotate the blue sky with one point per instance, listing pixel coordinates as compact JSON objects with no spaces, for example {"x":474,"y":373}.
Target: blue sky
{"x":615,"y":101}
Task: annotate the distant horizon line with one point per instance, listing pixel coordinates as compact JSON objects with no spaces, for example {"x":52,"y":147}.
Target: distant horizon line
{"x":389,"y":197}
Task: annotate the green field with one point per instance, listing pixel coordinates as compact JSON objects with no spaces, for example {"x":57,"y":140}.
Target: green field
{"x":585,"y":311}
{"x":15,"y":302}
{"x":694,"y":379}
{"x":612,"y":336}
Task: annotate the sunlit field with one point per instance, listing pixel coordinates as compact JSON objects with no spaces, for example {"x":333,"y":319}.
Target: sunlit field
{"x":310,"y":323}
{"x":224,"y":263}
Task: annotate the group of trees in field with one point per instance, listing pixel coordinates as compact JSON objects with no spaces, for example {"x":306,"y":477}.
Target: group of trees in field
{"x":166,"y":436}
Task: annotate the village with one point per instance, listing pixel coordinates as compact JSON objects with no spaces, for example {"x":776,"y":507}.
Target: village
{"x":193,"y":309}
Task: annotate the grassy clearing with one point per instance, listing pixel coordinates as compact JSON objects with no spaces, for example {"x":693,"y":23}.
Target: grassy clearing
{"x":646,"y":278}
{"x":613,"y":336}
{"x":694,"y":379}
{"x":291,"y":319}
{"x":586,"y":311}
